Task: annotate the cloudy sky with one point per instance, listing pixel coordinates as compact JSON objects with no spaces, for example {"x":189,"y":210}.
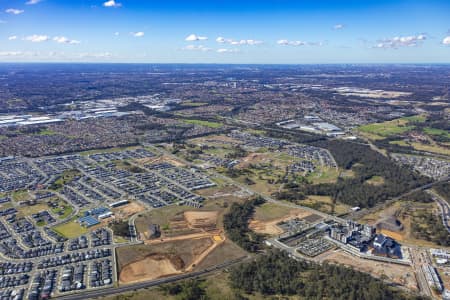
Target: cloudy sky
{"x":225,"y":31}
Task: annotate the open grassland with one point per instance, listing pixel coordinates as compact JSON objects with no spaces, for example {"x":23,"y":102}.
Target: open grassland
{"x":325,"y":204}
{"x":382,"y":130}
{"x":324,"y":175}
{"x":437,"y":132}
{"x":386,"y":129}
{"x":27,"y":210}
{"x":270,"y":211}
{"x":19,"y":196}
{"x":70,"y":230}
{"x":433,"y":147}
{"x":204,"y":123}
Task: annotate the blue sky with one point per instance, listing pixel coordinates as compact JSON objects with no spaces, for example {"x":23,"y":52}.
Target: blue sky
{"x":221,"y":31}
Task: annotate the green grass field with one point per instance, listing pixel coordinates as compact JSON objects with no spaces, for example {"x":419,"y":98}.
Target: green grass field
{"x":435,"y":131}
{"x":385,"y":129}
{"x":204,"y":123}
{"x":389,"y":128}
{"x":70,"y":230}
{"x":271,"y":211}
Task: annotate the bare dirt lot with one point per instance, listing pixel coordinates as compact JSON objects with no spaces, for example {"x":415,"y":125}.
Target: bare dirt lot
{"x":206,"y":220}
{"x":125,"y":211}
{"x":146,"y":262}
{"x":403,"y":275}
{"x":270,"y":227}
{"x":151,"y":267}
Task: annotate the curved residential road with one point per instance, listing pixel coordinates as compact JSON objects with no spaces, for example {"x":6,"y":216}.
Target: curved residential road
{"x":131,"y":287}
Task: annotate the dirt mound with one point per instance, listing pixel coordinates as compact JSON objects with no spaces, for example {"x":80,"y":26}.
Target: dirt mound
{"x":201,"y":219}
{"x":151,"y":267}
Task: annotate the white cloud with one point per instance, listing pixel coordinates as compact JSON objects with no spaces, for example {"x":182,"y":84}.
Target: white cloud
{"x":197,"y":48}
{"x":194,"y":38}
{"x":338,"y":26}
{"x":116,"y":33}
{"x":291,"y":43}
{"x":401,"y":41}
{"x":35,"y":38}
{"x":31,"y":2}
{"x":14,"y":11}
{"x":11,"y":53}
{"x":225,"y":50}
{"x":138,"y":34}
{"x":112,"y":3}
{"x":96,"y":55}
{"x":64,"y":40}
{"x":222,"y":40}
{"x":446,"y":40}
{"x":12,"y":38}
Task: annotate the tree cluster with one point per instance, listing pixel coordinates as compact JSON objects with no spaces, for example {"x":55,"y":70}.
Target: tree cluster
{"x":235,"y":223}
{"x":278,"y":274}
{"x":365,"y":163}
{"x":427,"y":226}
{"x":443,"y":189}
{"x":186,"y":290}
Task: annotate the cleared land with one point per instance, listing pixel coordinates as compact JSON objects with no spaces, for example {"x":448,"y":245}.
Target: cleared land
{"x":403,"y":275}
{"x":375,"y":180}
{"x":267,"y":225}
{"x":146,"y":262}
{"x":125,"y":211}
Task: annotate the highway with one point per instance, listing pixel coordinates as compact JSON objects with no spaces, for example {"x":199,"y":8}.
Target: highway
{"x":141,"y":285}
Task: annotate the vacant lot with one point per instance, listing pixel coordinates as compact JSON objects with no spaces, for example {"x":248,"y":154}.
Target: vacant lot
{"x":125,"y":211}
{"x":271,"y":211}
{"x":151,"y":267}
{"x":201,"y":219}
{"x":145,"y":262}
{"x":269,"y":225}
{"x":204,"y":123}
{"x":70,"y":230}
{"x":403,"y":275}
{"x":325,"y":204}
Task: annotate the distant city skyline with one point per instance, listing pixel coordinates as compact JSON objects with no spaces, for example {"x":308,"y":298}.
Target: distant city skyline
{"x":242,"y":32}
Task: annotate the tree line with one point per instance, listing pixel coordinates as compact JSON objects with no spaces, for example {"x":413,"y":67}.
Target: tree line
{"x":235,"y":223}
{"x":277,"y":274}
